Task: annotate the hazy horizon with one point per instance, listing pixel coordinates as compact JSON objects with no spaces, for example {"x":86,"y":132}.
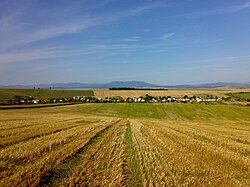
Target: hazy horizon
{"x":127,"y":82}
{"x":160,"y":42}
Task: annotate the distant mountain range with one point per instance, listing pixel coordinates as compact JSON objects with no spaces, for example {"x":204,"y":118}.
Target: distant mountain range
{"x":127,"y":84}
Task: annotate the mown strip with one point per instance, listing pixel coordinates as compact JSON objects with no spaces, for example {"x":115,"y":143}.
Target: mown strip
{"x":133,"y":173}
{"x":10,"y":127}
{"x":57,"y":174}
{"x":30,"y":173}
{"x":13,"y":139}
{"x":103,"y":164}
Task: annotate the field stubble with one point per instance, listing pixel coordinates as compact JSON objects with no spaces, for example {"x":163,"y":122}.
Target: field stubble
{"x":220,"y":92}
{"x":67,"y":147}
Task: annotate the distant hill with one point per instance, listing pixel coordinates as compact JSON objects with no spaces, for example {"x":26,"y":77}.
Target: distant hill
{"x":53,"y":85}
{"x":224,"y":84}
{"x":114,"y":84}
{"x":127,"y":84}
{"x":214,"y":85}
{"x":132,"y":84}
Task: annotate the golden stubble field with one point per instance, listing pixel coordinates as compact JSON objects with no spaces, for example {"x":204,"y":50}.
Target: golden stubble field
{"x":69,"y":146}
{"x":220,"y":92}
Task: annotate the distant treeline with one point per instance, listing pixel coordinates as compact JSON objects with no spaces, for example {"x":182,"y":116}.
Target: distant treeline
{"x":128,"y":88}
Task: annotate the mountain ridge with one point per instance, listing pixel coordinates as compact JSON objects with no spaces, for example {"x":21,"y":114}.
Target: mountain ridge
{"x":120,"y":84}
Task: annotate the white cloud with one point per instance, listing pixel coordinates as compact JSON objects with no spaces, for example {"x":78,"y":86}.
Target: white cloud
{"x":142,"y":9}
{"x":147,"y":30}
{"x":89,"y":51}
{"x":16,"y":32}
{"x":24,"y":56}
{"x":224,"y":10}
{"x":167,"y":35}
{"x":246,"y":5}
{"x":132,"y":39}
{"x":21,"y":35}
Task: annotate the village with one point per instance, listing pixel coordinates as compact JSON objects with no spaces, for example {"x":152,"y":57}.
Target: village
{"x":20,"y":100}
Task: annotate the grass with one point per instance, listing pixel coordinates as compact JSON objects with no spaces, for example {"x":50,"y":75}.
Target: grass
{"x":133,"y":169}
{"x":125,"y":109}
{"x":7,"y":93}
{"x":168,"y":111}
{"x":240,"y":95}
{"x":9,"y":107}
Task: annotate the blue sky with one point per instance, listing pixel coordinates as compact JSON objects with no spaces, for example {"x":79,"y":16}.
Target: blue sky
{"x":163,"y":42}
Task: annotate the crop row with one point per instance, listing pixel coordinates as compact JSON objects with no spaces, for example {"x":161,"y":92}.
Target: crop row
{"x":198,"y":158}
{"x":25,"y":163}
{"x":85,"y":150}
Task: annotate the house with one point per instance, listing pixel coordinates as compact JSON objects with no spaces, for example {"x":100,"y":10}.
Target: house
{"x":154,"y":100}
{"x":35,"y":101}
{"x":198,"y":99}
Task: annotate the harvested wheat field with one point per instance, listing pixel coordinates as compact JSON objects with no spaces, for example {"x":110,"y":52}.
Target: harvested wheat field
{"x":220,"y":92}
{"x":126,"y":145}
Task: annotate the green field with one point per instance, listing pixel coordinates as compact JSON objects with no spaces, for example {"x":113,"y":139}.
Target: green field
{"x":43,"y":93}
{"x":126,"y":144}
{"x":241,"y":95}
{"x":167,"y":111}
{"x":10,"y":107}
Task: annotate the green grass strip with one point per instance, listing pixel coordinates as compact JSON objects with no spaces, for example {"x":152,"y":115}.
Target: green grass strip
{"x":58,"y":173}
{"x":132,"y":162}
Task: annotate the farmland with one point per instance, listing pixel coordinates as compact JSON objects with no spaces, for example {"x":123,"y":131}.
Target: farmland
{"x":126,"y":144}
{"x":220,"y":92}
{"x":241,"y":95}
{"x":9,"y":93}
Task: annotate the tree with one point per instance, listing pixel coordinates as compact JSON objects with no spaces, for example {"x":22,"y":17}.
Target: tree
{"x":148,"y":97}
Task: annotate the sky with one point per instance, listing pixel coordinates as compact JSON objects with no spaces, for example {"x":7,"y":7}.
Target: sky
{"x":162,"y":42}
